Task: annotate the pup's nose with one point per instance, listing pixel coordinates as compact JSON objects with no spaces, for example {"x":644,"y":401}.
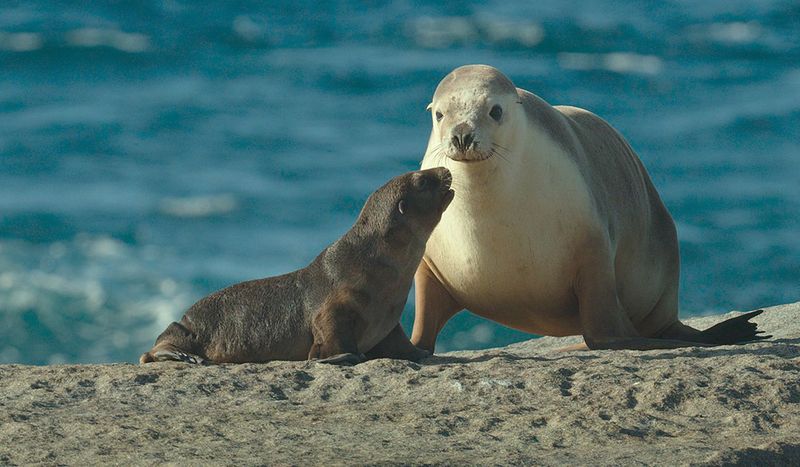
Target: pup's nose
{"x":445,"y":177}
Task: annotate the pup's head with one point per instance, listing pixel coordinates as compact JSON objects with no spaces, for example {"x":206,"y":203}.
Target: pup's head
{"x":411,"y":203}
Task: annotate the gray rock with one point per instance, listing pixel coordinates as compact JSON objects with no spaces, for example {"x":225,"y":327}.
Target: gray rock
{"x":520,"y":404}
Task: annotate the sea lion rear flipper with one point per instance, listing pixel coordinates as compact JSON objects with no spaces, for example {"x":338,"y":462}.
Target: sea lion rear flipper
{"x":168,"y":352}
{"x":165,"y":355}
{"x":605,"y":324}
{"x":734,"y":330}
{"x":639,"y":343}
{"x":176,"y":343}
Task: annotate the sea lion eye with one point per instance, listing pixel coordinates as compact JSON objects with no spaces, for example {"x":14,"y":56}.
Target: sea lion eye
{"x":439,"y":116}
{"x":401,"y":206}
{"x":496,"y":113}
{"x":421,"y":182}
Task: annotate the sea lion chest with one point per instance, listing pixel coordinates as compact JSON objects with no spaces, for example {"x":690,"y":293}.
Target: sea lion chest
{"x":507,"y":250}
{"x":382,"y":300}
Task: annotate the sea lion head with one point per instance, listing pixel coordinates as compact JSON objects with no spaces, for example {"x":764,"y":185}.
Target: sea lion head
{"x":473,"y":111}
{"x":409,"y":205}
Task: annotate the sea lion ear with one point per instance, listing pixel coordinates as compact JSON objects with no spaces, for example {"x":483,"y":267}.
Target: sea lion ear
{"x":401,"y":206}
{"x":429,"y":107}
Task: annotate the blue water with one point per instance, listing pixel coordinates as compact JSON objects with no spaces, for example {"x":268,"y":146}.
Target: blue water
{"x":154,"y":151}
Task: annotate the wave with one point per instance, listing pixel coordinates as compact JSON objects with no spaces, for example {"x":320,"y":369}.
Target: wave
{"x":20,"y":41}
{"x":131,"y":42}
{"x":128,"y":42}
{"x":443,"y":32}
{"x":199,"y":206}
{"x":92,"y":299}
{"x":617,"y":62}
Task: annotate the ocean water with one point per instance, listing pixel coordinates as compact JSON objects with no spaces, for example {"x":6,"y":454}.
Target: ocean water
{"x":154,"y":151}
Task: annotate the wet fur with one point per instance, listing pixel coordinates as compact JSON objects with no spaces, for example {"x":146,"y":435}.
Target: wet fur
{"x":347,"y":301}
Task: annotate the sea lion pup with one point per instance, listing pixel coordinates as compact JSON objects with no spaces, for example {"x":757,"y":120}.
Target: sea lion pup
{"x":345,"y":304}
{"x":557,"y":228}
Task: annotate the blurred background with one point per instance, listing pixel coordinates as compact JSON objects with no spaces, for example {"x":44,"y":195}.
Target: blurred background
{"x":154,"y":151}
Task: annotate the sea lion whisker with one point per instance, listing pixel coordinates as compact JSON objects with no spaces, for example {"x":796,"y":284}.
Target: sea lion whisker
{"x":501,"y":149}
{"x":444,"y":160}
{"x":456,"y":184}
{"x":500,"y":156}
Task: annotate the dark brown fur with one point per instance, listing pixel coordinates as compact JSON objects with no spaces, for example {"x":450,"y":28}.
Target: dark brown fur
{"x":344,"y":304}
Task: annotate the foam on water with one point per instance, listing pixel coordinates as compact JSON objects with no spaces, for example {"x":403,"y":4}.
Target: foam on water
{"x":20,"y":41}
{"x":96,"y":37}
{"x":444,"y":32}
{"x":199,"y":206}
{"x":618,"y":62}
{"x":65,"y":308}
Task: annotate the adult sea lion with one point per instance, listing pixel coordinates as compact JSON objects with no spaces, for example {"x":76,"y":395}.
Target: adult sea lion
{"x":345,"y":304}
{"x":557,"y":229}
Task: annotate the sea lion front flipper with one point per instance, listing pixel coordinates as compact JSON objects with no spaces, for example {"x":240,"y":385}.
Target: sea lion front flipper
{"x":344,"y":359}
{"x":433,"y":305}
{"x":397,"y":345}
{"x":333,"y":328}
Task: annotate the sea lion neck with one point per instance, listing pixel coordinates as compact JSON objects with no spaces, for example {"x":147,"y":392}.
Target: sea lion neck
{"x":397,"y":241}
{"x":479,"y":182}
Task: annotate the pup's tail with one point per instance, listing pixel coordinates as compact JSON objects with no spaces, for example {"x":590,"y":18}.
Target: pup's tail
{"x":176,"y":343}
{"x":171,"y":353}
{"x":146,"y":357}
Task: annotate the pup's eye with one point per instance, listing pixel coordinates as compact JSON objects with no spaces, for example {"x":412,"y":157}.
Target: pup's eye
{"x":439,"y":116}
{"x":496,"y":113}
{"x":422,"y":183}
{"x":401,"y":206}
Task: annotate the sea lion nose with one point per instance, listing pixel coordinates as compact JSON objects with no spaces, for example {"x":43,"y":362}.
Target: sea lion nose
{"x":445,"y":177}
{"x":462,"y":137}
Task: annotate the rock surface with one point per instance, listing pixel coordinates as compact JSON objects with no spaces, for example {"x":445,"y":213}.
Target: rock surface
{"x":521,"y":404}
